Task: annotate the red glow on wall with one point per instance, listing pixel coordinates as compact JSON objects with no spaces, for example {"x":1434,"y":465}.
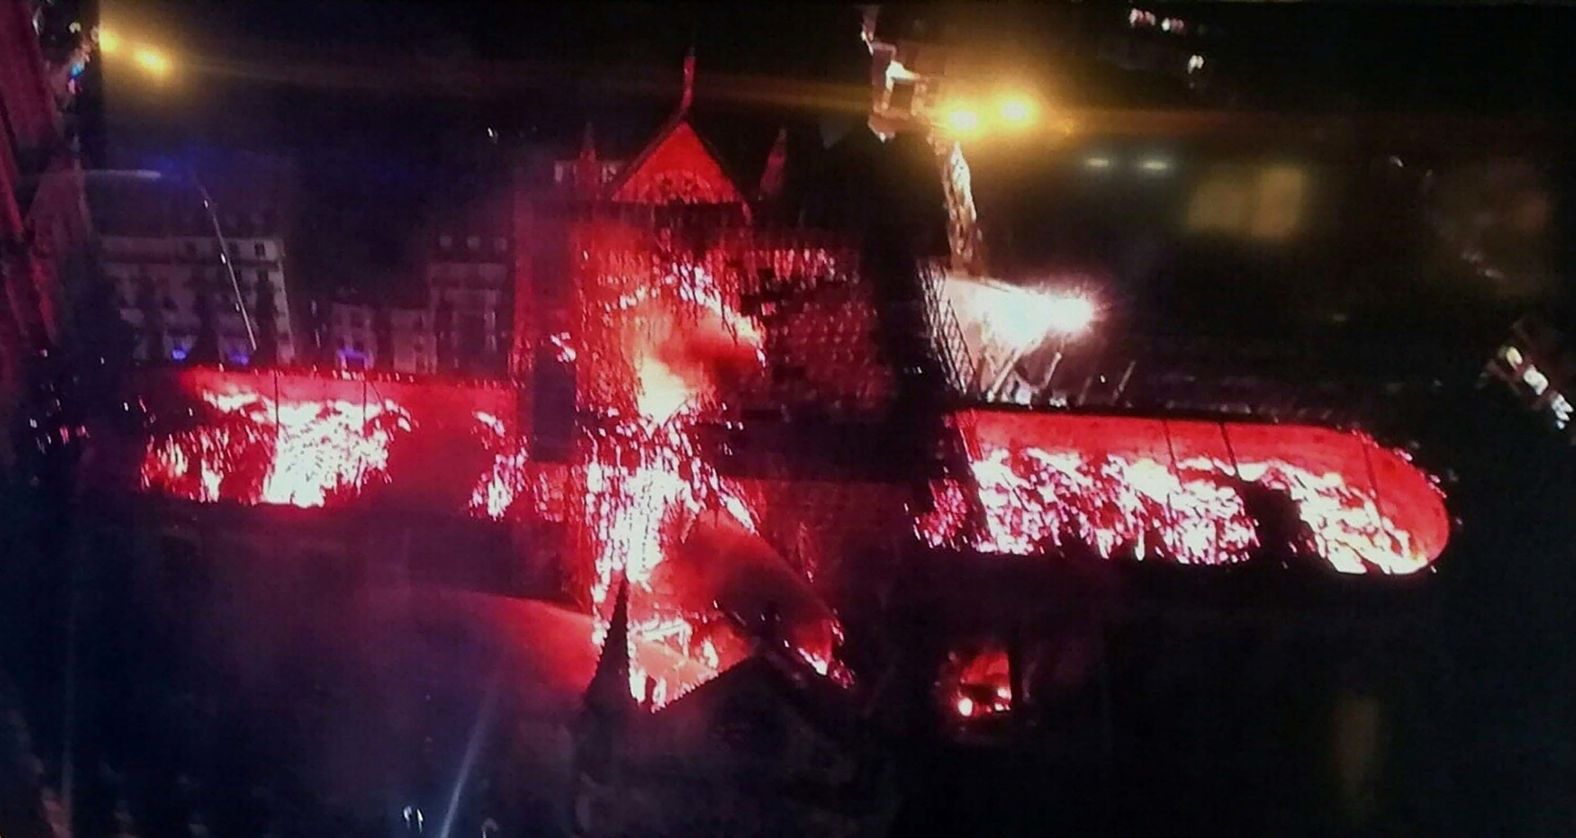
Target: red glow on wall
{"x":1189,"y":492}
{"x":676,"y":168}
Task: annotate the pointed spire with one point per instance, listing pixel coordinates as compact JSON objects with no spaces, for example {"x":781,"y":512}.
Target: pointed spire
{"x":609,"y":688}
{"x":689,"y":83}
{"x":772,"y":175}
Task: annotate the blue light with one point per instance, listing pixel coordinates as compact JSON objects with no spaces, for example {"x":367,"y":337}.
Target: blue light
{"x":240,"y":359}
{"x":178,"y":353}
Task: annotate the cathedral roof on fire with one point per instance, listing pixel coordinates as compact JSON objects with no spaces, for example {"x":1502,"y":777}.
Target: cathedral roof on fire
{"x":676,"y":165}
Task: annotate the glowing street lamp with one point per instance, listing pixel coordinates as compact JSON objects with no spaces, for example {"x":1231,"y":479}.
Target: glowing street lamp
{"x":148,"y":58}
{"x":961,"y":119}
{"x":152,"y":61}
{"x":1016,"y":110}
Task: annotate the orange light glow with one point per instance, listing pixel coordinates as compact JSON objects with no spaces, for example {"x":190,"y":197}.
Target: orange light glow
{"x":154,"y":62}
{"x":961,"y":120}
{"x":1016,"y":109}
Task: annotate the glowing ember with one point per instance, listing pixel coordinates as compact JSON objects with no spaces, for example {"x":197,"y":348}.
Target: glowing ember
{"x":508,"y":476}
{"x":662,"y":391}
{"x":643,"y":486}
{"x":297,"y":453}
{"x":1035,"y":499}
{"x":976,"y":685}
{"x":655,"y":348}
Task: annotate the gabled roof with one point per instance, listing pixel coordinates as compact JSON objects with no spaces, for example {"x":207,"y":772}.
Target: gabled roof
{"x":677,"y":166}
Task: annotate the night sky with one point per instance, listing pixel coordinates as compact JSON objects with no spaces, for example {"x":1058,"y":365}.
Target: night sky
{"x":373,"y":98}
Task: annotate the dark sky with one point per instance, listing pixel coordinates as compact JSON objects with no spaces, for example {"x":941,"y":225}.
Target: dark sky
{"x":367,"y":94}
{"x":357,"y":68}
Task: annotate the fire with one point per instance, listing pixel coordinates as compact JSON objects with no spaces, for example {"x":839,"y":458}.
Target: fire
{"x":662,"y":391}
{"x":643,"y":484}
{"x":656,"y":348}
{"x":297,"y":453}
{"x":1193,"y":513}
{"x":508,"y":477}
{"x":976,"y":685}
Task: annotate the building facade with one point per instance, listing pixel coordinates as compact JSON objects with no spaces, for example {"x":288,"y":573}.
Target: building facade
{"x":160,"y":248}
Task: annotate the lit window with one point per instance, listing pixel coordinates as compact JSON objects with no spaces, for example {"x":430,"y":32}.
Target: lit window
{"x":473,"y":242}
{"x":445,"y":241}
{"x":1561,"y":408}
{"x":1512,"y":356}
{"x":1534,"y":378}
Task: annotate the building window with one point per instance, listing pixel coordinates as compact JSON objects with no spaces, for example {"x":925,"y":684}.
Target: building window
{"x":445,"y":241}
{"x":500,"y":244}
{"x":259,"y":250}
{"x":473,"y":242}
{"x":262,"y":276}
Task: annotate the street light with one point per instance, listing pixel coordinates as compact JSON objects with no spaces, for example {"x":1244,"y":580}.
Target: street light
{"x":152,"y":61}
{"x":1016,"y":109}
{"x":961,"y":119}
{"x":148,"y":58}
